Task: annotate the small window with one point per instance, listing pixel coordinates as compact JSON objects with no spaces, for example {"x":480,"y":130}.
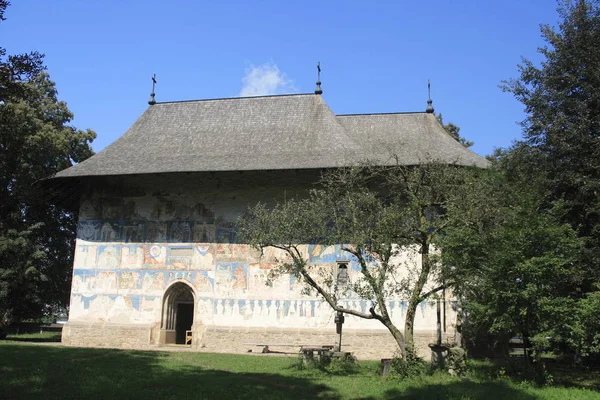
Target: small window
{"x":342,"y":275}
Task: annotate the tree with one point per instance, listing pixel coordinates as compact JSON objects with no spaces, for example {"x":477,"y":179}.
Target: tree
{"x":453,"y":130}
{"x":36,"y":232}
{"x":562,"y":126}
{"x":384,"y":217}
{"x":560,"y":151}
{"x":515,"y":263}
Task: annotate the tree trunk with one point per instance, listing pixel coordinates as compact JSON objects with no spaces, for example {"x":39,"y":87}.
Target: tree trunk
{"x":396,"y":334}
{"x":409,"y":327}
{"x":385,"y":319}
{"x":415,"y":298}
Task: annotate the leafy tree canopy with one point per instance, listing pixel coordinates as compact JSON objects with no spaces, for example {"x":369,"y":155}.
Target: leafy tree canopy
{"x":531,"y":267}
{"x":562,"y":127}
{"x":515,"y":263}
{"x":385,"y":218}
{"x":36,"y":233}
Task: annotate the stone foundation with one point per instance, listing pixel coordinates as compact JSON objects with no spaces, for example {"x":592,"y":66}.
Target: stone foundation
{"x":364,"y":344}
{"x":124,"y":336}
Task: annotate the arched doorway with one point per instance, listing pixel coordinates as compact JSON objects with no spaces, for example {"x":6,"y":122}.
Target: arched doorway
{"x":177,"y":313}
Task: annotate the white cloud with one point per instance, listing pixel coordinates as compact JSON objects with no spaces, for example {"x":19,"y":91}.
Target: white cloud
{"x":264,"y":80}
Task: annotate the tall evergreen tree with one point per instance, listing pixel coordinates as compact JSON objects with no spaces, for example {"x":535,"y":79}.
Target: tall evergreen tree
{"x":36,"y":233}
{"x":562,"y":127}
{"x":514,"y":262}
{"x":531,"y":267}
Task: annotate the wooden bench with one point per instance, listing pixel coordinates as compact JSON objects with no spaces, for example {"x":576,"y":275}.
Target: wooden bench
{"x":517,"y":347}
{"x":265,"y":347}
{"x":323,"y":353}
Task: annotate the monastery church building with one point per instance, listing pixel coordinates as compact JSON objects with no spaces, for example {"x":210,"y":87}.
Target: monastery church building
{"x":156,"y":252}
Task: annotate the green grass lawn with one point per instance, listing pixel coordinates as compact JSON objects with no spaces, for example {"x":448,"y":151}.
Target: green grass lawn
{"x":35,"y":337}
{"x":56,"y":372}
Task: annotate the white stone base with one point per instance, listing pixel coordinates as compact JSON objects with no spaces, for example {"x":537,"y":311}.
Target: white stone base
{"x":364,"y":344}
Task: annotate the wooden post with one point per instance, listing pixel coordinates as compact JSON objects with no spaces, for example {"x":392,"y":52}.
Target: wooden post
{"x":439,"y":323}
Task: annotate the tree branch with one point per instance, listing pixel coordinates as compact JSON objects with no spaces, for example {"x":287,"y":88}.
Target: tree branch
{"x":301,"y":263}
{"x":426,"y":295}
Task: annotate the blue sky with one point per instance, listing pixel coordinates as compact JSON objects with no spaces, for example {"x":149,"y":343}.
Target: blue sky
{"x":376,"y":56}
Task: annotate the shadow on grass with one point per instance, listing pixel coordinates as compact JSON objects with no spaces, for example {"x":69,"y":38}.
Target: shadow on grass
{"x":563,"y":373}
{"x":334,"y":368}
{"x":56,"y":372}
{"x":567,"y":375}
{"x":458,"y":390}
{"x":77,"y":373}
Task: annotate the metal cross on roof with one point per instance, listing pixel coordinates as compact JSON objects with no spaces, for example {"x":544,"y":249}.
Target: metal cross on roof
{"x":318,"y":90}
{"x":429,"y":108}
{"x":428,"y":89}
{"x":152,"y":100}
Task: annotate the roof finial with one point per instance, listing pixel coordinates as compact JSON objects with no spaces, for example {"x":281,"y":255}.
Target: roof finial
{"x":429,"y":108}
{"x":152,"y":101}
{"x":318,"y":90}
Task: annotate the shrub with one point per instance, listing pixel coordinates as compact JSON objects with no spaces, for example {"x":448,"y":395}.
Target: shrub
{"x":526,"y":370}
{"x":345,"y":365}
{"x":456,"y":361}
{"x":410,"y":365}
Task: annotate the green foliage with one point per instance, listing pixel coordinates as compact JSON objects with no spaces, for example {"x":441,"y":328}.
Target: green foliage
{"x":45,"y":337}
{"x":374,"y":214}
{"x":584,"y":334}
{"x":453,"y":130}
{"x":527,"y":263}
{"x":301,"y":363}
{"x":519,"y":270}
{"x":456,"y":361}
{"x":410,"y":365}
{"x":521,"y":369}
{"x":562,"y":101}
{"x":346,"y":365}
{"x":516,"y":265}
{"x":562,"y":140}
{"x":36,"y":233}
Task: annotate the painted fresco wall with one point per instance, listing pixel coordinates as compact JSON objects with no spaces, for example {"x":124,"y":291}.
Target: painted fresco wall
{"x":139,"y":235}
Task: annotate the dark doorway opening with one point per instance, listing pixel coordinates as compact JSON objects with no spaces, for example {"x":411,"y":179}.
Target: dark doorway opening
{"x":185,"y":319}
{"x":178,"y":314}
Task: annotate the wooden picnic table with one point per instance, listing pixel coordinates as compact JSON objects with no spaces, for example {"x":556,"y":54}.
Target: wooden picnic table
{"x":308,"y":352}
{"x":265,"y":346}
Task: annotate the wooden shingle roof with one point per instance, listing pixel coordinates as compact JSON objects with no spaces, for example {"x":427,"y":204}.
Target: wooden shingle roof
{"x":268,"y":133}
{"x":411,"y":137}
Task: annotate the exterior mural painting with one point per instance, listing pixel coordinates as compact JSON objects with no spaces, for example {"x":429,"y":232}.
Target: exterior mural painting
{"x":130,"y":250}
{"x":156,"y":242}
